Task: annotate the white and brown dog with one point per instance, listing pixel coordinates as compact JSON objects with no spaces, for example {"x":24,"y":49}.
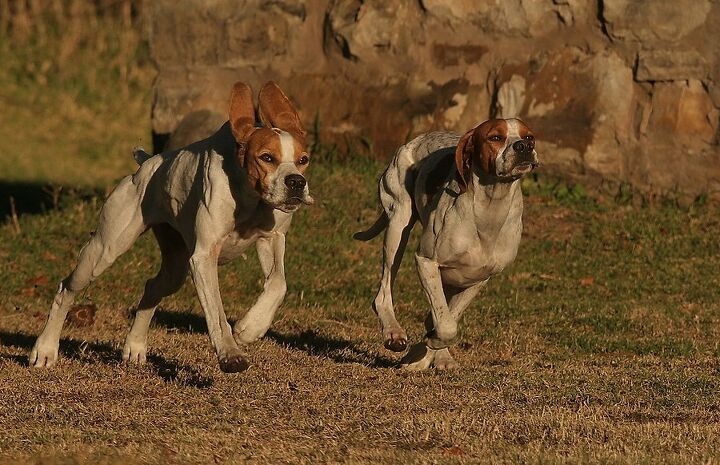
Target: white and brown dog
{"x":466,"y":193}
{"x":205,"y":203}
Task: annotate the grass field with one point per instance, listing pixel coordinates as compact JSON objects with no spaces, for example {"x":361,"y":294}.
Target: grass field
{"x":599,"y":345}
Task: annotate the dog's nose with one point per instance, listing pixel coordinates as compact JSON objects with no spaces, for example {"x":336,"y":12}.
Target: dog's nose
{"x":519,"y":146}
{"x":295,"y":181}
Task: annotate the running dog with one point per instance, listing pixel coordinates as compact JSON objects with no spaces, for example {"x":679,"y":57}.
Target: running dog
{"x":466,"y":193}
{"x":205,"y":204}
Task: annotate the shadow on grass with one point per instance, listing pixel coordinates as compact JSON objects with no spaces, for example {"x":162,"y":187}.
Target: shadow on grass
{"x":28,"y":197}
{"x":338,"y":350}
{"x":102,"y":352}
{"x":180,"y":321}
{"x":33,"y":198}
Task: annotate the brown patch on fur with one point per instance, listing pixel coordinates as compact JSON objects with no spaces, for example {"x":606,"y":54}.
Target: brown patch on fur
{"x":463,"y":158}
{"x":242,"y":111}
{"x":486,"y":150}
{"x":300,"y":152}
{"x":276,"y":111}
{"x":263,"y":141}
{"x":475,"y":147}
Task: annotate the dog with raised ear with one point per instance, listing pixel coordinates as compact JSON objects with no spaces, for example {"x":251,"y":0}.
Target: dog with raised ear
{"x":466,"y":193}
{"x":205,"y":204}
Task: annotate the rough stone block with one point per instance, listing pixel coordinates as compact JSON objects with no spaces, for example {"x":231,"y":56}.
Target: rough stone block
{"x":666,"y":65}
{"x":650,"y":21}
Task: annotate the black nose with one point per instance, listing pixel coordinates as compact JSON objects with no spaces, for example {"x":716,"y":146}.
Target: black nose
{"x":519,"y":146}
{"x":295,"y":181}
{"x":522,"y":146}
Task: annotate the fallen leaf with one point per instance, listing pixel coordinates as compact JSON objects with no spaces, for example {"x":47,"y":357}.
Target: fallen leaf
{"x":548,"y":277}
{"x":37,"y":281}
{"x":82,"y":315}
{"x":587,"y":281}
{"x":28,"y":291}
{"x":520,"y":276}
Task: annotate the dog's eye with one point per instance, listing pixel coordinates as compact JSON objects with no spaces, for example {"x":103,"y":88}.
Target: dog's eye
{"x":496,"y":138}
{"x":304,"y":160}
{"x":266,"y":157}
{"x":529,"y":137}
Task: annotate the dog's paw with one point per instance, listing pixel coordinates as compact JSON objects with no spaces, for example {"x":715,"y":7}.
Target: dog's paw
{"x":445,"y":361}
{"x":134,"y":352}
{"x":43,"y":356}
{"x":233,"y":362}
{"x":418,"y":358}
{"x":245,"y":334}
{"x":395,"y":340}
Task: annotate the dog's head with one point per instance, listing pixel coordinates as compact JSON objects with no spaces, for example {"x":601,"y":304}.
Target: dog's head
{"x":274,"y":156}
{"x":503,"y":148}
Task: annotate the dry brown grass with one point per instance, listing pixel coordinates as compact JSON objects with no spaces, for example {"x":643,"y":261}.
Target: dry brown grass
{"x":599,"y":345}
{"x":564,"y":360}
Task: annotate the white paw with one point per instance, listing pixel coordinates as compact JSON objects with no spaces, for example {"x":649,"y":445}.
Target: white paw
{"x":418,"y":358}
{"x":421,"y":357}
{"x":135,"y":351}
{"x":43,"y":355}
{"x":246,"y":333}
{"x":445,"y":361}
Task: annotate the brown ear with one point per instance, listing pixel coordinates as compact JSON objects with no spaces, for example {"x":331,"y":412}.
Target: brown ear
{"x":276,"y":111}
{"x":463,"y":159}
{"x":242,"y":112}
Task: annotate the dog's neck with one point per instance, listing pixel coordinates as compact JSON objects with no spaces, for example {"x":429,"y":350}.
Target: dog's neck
{"x":492,"y":200}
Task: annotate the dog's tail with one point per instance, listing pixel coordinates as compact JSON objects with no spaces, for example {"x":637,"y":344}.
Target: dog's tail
{"x":140,"y":155}
{"x":380,"y":224}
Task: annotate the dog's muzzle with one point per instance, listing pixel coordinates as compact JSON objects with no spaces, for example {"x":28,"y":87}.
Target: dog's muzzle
{"x":295,"y":188}
{"x":525,"y":159}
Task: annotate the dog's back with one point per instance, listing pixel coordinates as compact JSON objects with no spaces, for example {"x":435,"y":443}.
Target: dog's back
{"x":413,"y":176}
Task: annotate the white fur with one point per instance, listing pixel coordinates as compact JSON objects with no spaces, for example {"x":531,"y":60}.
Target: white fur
{"x":466,"y":239}
{"x":287,"y":146}
{"x":197,"y":228}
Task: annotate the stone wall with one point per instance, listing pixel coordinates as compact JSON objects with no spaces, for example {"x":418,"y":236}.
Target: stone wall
{"x":618,"y":90}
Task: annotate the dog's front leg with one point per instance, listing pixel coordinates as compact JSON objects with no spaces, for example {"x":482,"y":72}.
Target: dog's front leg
{"x":422,"y":356}
{"x":204,"y":271}
{"x":445,"y":324}
{"x":271,"y":252}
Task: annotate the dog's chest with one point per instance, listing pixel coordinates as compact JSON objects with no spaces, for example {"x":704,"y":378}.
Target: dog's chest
{"x":234,"y":246}
{"x":243,"y":236}
{"x":467,"y":255}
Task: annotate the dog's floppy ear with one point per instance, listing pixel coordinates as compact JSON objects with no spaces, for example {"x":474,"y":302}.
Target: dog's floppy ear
{"x":276,"y":111}
{"x":463,"y":159}
{"x":242,"y":112}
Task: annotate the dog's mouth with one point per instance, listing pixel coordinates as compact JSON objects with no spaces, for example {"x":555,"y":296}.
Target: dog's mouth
{"x":523,"y":168}
{"x":293,"y":202}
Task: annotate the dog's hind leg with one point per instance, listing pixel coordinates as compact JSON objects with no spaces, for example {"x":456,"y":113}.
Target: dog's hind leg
{"x":397,"y":203}
{"x":258,"y":319}
{"x":121,"y":222}
{"x":173,"y":271}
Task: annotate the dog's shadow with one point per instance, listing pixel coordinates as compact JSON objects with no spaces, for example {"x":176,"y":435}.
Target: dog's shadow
{"x":308,"y":341}
{"x":337,"y":350}
{"x":180,"y":321}
{"x":170,"y":371}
